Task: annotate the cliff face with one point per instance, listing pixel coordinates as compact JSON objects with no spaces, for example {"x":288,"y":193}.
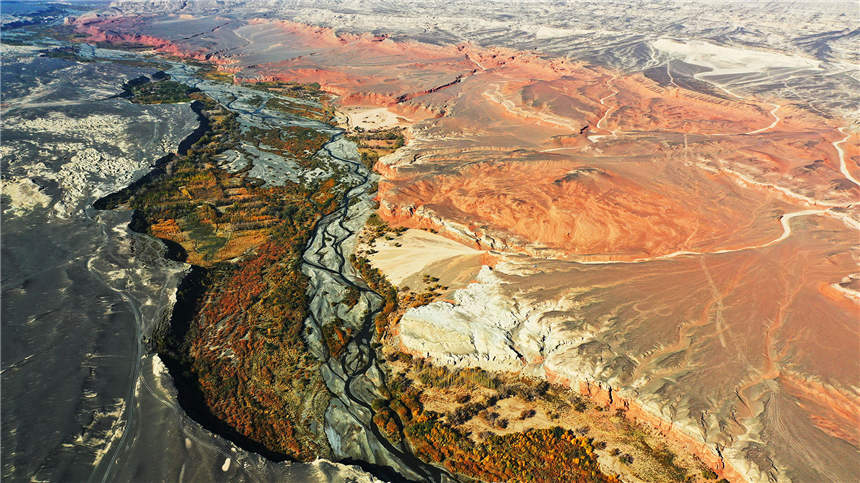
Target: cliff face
{"x":691,"y":249}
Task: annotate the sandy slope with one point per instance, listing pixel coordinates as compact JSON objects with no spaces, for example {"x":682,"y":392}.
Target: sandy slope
{"x":418,"y":249}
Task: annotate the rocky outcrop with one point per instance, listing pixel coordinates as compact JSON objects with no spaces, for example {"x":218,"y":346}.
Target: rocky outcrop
{"x":473,"y":331}
{"x":484,"y":327}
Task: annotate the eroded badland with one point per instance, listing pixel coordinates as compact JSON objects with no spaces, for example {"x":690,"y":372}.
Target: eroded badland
{"x":682,"y":257}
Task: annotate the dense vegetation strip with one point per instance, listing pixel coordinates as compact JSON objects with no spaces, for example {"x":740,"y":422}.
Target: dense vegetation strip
{"x":235,"y":343}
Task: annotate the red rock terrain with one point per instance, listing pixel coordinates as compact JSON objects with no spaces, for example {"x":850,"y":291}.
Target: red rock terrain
{"x":740,"y":215}
{"x":496,"y":146}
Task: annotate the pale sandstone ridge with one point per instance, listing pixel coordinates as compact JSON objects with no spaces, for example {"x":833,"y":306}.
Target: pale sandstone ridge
{"x":475,"y":330}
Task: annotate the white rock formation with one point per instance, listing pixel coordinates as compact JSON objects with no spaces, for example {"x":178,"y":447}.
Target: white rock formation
{"x":475,"y":331}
